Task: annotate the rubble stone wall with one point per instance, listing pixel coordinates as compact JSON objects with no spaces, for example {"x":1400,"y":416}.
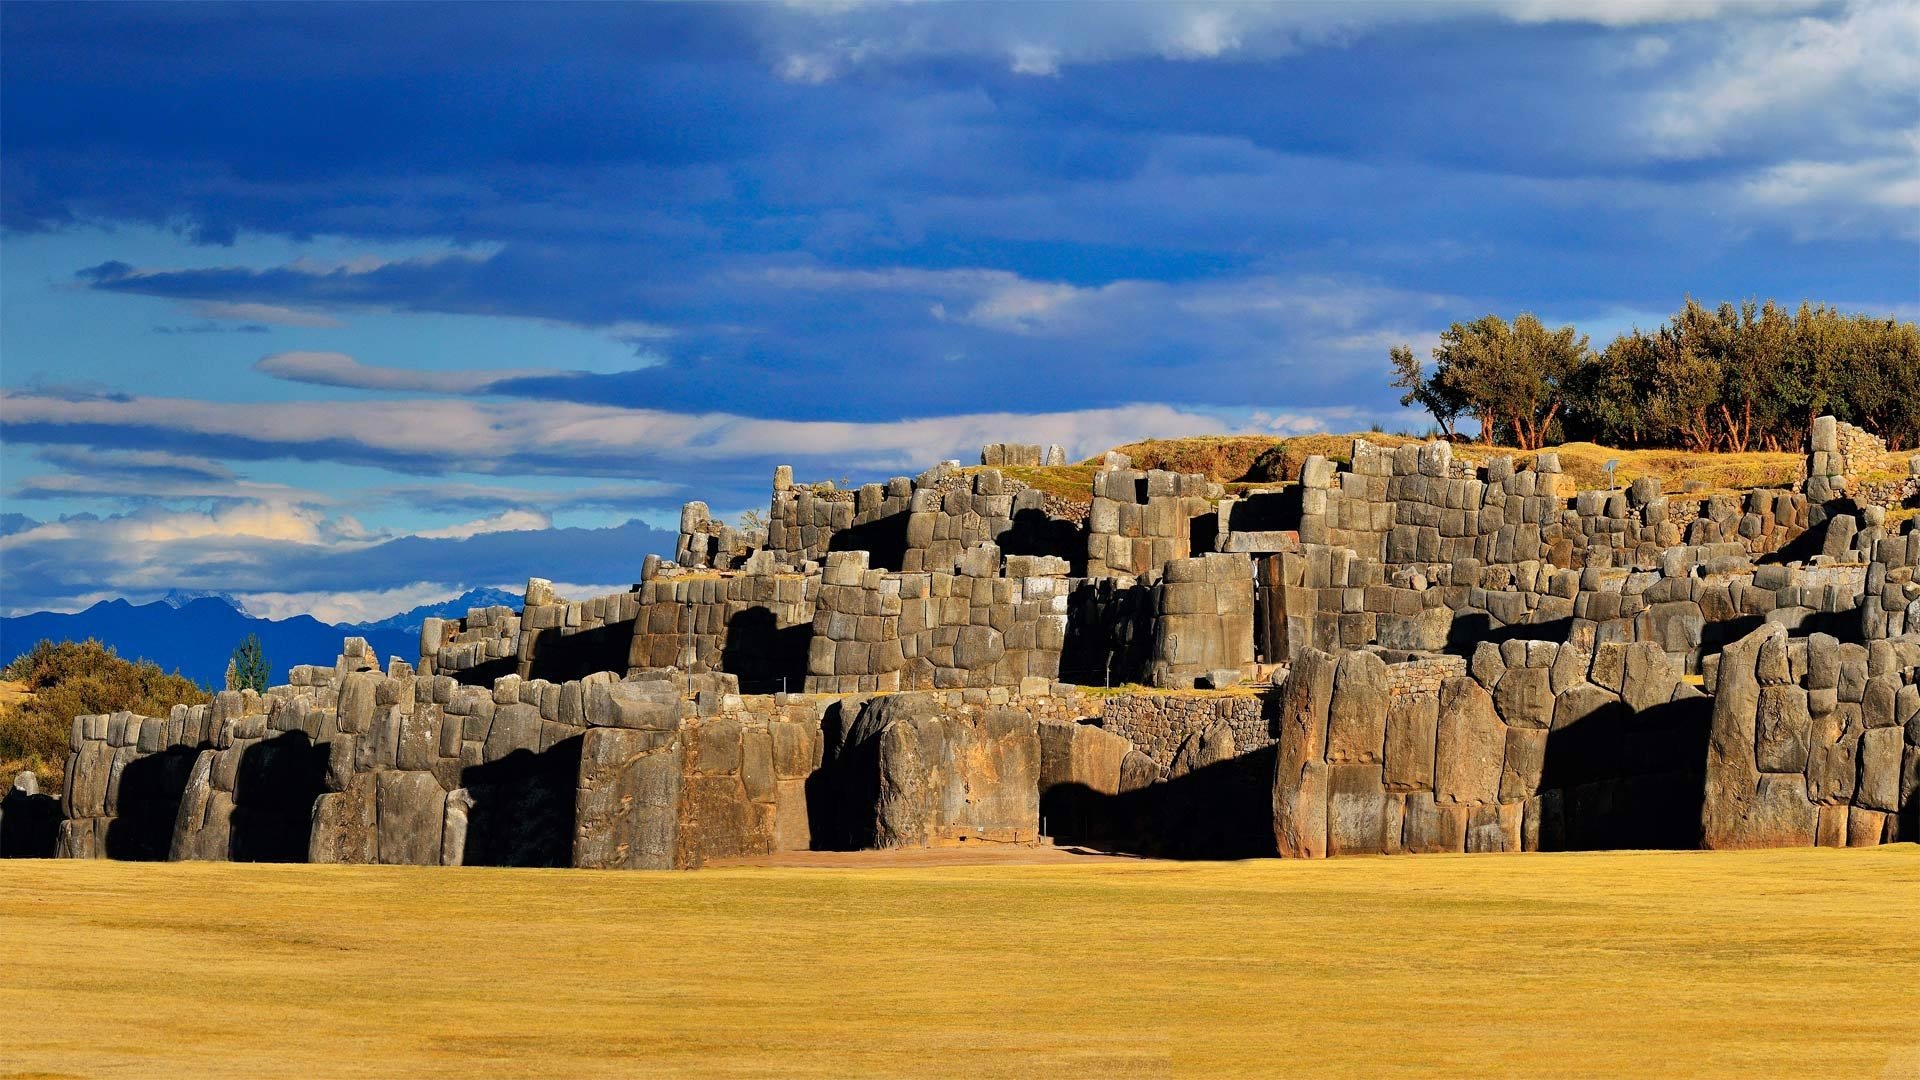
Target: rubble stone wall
{"x":1165,"y":727}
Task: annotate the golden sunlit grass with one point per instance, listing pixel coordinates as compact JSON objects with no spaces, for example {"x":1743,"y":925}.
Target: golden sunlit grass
{"x":1598,"y":965}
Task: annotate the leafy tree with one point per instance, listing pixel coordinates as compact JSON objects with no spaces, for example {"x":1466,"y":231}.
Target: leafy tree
{"x":247,"y":669}
{"x":1510,"y":377}
{"x":1732,"y":377}
{"x":1441,"y":400}
{"x":1882,"y":380}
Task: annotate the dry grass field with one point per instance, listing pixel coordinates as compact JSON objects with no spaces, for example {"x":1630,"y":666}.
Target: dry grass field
{"x":1599,"y":965}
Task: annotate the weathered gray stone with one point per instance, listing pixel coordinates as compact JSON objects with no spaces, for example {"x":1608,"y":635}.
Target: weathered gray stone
{"x":1526,"y":756}
{"x":1471,"y":744}
{"x":1413,"y":722}
{"x":1783,"y":730}
{"x":1524,"y":697}
{"x":1357,"y":712}
{"x":453,"y":830}
{"x":1733,"y":813}
{"x":1357,"y":817}
{"x":1201,"y":749}
{"x":1137,"y":771}
{"x":1494,"y":827}
{"x":627,"y":808}
{"x":1081,"y":754}
{"x":1431,"y":828}
{"x":1879,"y":786}
{"x":1649,"y":677}
{"x":1300,"y":778}
{"x":515,"y":727}
{"x":412,"y":811}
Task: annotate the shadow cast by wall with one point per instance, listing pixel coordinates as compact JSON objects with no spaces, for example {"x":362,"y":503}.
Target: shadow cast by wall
{"x":523,"y":807}
{"x":1220,"y":811}
{"x":766,"y":657}
{"x":883,"y":539}
{"x":843,"y":792}
{"x":148,"y":802}
{"x":564,"y":658}
{"x":1620,"y":780}
{"x":1035,"y":532}
{"x":29,"y":826}
{"x":1108,"y":638}
{"x":273,"y":795}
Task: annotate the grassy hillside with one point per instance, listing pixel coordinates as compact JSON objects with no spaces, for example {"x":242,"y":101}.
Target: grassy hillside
{"x":1735,"y":964}
{"x":1240,"y":461}
{"x":46,"y":687}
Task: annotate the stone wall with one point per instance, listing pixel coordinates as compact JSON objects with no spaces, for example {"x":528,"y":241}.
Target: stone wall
{"x":1814,"y":741}
{"x":1170,"y":728}
{"x":1841,"y":463}
{"x":1027,"y":454}
{"x":1203,"y":624}
{"x":613,"y":731}
{"x":551,"y":637}
{"x":353,"y":765}
{"x":704,"y":542}
{"x":1140,"y":521}
{"x":1538,"y":746}
{"x":876,"y":630}
{"x":918,"y":524}
{"x":932,"y":769}
{"x":753,"y":624}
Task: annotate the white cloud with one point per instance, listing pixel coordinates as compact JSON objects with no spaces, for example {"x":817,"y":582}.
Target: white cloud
{"x":1641,"y":12}
{"x":505,"y":521}
{"x":483,"y":436}
{"x":1836,"y":73}
{"x":1204,"y":35}
{"x":809,"y":68}
{"x":360,"y":606}
{"x":1035,"y":60}
{"x":1649,"y":50}
{"x":143,"y":489}
{"x":475,"y":496}
{"x":1890,"y":182}
{"x":269,"y":314}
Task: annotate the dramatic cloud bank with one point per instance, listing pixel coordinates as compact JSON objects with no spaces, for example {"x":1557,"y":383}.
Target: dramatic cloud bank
{"x":349,"y":305}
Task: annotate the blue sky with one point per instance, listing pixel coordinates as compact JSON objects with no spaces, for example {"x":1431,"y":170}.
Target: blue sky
{"x":346,"y":308}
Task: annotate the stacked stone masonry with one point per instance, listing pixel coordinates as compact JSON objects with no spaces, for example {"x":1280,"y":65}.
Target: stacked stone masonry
{"x":1427,"y":656}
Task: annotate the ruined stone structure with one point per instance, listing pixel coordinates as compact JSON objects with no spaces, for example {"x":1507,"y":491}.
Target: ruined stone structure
{"x":1401,"y":653}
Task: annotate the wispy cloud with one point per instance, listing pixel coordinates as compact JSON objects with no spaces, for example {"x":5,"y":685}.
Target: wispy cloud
{"x":266,"y":314}
{"x":485,"y":436}
{"x":339,"y":369}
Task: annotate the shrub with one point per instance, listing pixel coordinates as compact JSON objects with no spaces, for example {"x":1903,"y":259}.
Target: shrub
{"x":69,"y":679}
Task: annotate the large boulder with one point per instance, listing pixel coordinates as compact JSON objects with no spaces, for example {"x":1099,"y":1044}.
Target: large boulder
{"x":627,"y":807}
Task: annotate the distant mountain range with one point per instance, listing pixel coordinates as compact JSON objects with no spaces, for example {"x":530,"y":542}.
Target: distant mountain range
{"x":196,"y":634}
